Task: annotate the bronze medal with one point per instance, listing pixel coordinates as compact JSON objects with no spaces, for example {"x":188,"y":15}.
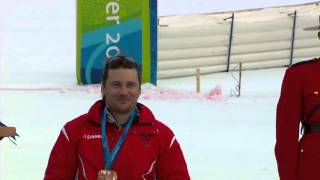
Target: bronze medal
{"x":111,"y":175}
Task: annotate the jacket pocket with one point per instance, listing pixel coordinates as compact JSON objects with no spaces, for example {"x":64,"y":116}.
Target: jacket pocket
{"x":309,"y":157}
{"x":312,"y":105}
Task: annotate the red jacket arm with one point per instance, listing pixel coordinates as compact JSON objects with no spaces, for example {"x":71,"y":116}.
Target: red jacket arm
{"x":171,"y":163}
{"x":288,"y":116}
{"x":63,"y":159}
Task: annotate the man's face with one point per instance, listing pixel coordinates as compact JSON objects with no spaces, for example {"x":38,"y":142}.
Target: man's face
{"x":121,"y":90}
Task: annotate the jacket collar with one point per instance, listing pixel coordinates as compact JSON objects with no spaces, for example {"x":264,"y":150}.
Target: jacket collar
{"x":144,"y":116}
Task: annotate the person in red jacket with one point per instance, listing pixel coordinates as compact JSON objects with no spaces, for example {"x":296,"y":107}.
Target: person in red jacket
{"x":299,"y":102}
{"x":118,"y":138}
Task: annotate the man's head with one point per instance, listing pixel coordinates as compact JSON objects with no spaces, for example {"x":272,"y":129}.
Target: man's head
{"x":117,"y":62}
{"x":121,"y":84}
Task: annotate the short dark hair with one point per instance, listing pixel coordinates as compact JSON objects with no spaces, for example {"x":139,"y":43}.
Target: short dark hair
{"x":117,"y":62}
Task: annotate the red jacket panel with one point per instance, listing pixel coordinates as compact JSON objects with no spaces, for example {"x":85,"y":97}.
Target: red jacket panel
{"x":300,"y":92}
{"x":150,"y":150}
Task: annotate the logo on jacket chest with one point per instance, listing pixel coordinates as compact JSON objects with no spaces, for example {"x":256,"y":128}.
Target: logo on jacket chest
{"x":146,"y":139}
{"x":92,"y":136}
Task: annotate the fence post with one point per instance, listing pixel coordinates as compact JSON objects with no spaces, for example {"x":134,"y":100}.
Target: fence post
{"x":293,"y":36}
{"x":230,"y":41}
{"x":240,"y":77}
{"x":198,"y":80}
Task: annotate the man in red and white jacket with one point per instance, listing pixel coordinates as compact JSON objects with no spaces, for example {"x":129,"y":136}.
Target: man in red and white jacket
{"x":149,"y":149}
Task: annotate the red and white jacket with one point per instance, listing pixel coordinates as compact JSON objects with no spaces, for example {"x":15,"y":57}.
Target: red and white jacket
{"x":150,"y":150}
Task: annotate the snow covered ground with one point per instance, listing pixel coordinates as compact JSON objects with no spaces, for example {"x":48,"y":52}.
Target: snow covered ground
{"x":228,"y":138}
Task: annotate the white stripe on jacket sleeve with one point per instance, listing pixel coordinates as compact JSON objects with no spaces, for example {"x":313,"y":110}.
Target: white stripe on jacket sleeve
{"x":83,"y":169}
{"x":172,"y":141}
{"x":65,"y":133}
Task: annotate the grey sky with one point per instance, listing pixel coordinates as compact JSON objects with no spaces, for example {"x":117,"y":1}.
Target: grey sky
{"x":180,"y":7}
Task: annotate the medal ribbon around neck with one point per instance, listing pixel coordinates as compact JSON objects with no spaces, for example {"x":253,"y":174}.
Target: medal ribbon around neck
{"x":110,"y":157}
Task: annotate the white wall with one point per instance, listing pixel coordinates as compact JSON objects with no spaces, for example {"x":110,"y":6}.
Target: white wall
{"x":261,"y":39}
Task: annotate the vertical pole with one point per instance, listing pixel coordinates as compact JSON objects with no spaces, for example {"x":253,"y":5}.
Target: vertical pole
{"x":230,"y":42}
{"x":198,"y":80}
{"x":293,"y":36}
{"x":240,"y":76}
{"x":154,"y":22}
